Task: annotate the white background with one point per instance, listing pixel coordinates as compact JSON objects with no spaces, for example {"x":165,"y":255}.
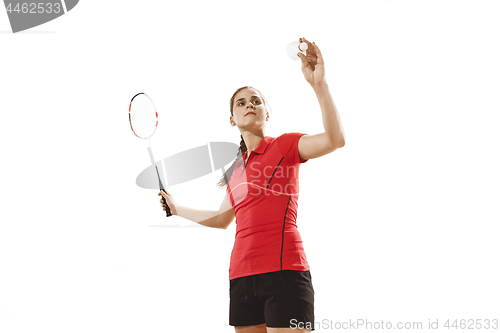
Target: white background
{"x":401,"y":224}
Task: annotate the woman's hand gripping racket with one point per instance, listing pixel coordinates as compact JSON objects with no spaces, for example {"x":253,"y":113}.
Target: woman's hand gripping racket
{"x":143,"y":122}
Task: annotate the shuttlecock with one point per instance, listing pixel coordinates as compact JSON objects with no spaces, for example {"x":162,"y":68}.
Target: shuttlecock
{"x":295,"y":47}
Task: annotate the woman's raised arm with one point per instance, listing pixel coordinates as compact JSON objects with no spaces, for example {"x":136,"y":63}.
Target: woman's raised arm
{"x":313,"y":146}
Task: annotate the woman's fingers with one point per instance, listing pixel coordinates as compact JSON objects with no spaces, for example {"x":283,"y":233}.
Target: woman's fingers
{"x":163,"y":193}
{"x":313,"y":53}
{"x":309,"y":45}
{"x":303,"y":59}
{"x":312,"y":63}
{"x":310,"y":48}
{"x":167,"y":199}
{"x":163,"y":199}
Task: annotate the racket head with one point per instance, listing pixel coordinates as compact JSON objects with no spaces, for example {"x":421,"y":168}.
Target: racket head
{"x":142,"y":116}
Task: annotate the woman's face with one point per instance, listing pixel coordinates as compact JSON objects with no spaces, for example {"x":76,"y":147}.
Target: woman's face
{"x":249,"y":110}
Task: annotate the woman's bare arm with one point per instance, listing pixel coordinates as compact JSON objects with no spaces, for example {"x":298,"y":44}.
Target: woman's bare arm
{"x":317,"y":145}
{"x":220,"y":219}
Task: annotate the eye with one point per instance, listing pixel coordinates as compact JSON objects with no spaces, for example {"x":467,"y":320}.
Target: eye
{"x":256,"y":101}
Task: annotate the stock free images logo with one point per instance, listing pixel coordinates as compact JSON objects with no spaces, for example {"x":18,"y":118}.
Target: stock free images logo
{"x":24,"y":15}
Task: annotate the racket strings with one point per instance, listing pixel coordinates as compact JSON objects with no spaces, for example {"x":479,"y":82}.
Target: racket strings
{"x":143,"y":117}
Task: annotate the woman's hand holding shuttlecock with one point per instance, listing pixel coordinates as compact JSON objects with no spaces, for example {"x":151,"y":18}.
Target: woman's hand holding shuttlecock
{"x":313,"y":66}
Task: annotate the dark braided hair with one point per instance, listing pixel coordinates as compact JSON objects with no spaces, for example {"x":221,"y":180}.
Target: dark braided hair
{"x":243,"y":147}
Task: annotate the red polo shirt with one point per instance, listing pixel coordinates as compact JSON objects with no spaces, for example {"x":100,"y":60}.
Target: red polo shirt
{"x":264,"y":194}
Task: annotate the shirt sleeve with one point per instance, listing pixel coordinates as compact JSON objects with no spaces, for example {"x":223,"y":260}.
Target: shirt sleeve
{"x":289,"y":146}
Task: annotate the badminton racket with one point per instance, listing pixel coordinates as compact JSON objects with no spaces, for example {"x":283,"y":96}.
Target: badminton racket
{"x":143,"y":122}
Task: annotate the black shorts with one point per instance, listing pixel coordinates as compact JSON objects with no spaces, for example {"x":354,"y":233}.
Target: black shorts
{"x":278,"y":299}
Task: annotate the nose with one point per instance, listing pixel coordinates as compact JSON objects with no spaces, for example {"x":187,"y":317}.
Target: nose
{"x":250,"y":105}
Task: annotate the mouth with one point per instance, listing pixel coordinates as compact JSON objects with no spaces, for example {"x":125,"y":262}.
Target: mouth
{"x":251,"y":112}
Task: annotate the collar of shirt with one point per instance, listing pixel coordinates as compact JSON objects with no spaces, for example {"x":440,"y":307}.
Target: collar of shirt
{"x":261,"y":148}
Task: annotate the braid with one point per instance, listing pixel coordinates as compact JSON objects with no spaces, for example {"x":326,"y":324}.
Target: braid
{"x":243,"y":147}
{"x":227,"y":175}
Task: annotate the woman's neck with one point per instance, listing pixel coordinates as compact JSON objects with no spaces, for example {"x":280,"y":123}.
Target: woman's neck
{"x":252,"y":141}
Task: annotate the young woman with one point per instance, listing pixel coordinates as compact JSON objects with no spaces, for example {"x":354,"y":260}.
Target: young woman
{"x":270,"y":282}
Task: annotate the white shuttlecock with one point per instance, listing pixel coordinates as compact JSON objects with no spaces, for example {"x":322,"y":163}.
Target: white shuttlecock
{"x":295,"y":47}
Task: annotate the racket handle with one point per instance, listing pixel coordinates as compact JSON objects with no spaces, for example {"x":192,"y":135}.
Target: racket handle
{"x":166,"y":206}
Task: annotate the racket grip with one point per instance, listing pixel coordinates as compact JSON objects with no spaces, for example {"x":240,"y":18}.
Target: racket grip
{"x":166,"y":206}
